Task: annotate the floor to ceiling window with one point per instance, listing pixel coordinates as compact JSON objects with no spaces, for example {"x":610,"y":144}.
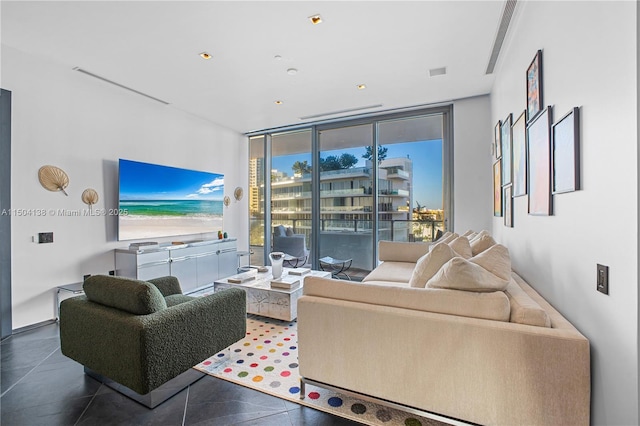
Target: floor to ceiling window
{"x":346,"y":195}
{"x":384,"y":177}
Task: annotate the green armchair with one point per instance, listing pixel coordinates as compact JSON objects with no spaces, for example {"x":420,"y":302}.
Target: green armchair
{"x":142,"y":335}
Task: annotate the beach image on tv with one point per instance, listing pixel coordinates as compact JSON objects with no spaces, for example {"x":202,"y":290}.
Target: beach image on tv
{"x":161,"y":201}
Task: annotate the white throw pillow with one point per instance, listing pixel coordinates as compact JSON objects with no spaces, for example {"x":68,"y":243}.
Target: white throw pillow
{"x":478,"y":245}
{"x":479,"y":235}
{"x":468,"y":233}
{"x":461,"y":246}
{"x":449,"y":238}
{"x":461,"y":274}
{"x":489,"y":271}
{"x":496,"y":260}
{"x":430,"y":263}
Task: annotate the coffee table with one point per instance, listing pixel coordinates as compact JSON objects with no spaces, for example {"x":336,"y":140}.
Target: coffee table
{"x":270,"y":302}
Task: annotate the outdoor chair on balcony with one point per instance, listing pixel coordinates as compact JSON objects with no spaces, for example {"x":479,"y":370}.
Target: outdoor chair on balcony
{"x":294,"y":245}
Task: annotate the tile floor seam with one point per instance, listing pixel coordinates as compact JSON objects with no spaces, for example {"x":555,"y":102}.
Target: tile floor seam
{"x":88,"y":405}
{"x":186,"y":404}
{"x":29,"y":372}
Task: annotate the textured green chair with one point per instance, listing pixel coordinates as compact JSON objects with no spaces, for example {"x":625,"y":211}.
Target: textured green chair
{"x":142,"y":337}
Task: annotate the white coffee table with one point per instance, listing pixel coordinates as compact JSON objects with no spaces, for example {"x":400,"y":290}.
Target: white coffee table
{"x":270,"y":302}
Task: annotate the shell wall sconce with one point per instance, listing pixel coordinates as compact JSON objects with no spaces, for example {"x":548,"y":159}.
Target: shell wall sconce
{"x":90,"y":197}
{"x":53,"y":179}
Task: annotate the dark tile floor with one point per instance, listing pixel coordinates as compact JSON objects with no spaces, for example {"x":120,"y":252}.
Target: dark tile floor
{"x":40,"y":386}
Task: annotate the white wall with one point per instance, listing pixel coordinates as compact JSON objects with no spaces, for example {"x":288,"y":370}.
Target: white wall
{"x":589,"y":61}
{"x":82,"y":125}
{"x":472,"y":134}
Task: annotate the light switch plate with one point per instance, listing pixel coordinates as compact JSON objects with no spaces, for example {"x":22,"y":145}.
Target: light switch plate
{"x":603,"y":279}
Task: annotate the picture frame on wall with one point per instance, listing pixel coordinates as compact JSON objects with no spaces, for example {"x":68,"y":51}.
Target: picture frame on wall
{"x":505,"y":141}
{"x":539,"y":164}
{"x":497,"y":188}
{"x":519,"y":144}
{"x":507,"y":196}
{"x":534,"y":86}
{"x":565,"y":151}
{"x":496,"y":140}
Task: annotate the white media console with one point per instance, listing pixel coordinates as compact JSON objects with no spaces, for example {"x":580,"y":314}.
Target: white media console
{"x":196,"y":264}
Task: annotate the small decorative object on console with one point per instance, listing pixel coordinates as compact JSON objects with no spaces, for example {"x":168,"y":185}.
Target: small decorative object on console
{"x":277,"y":257}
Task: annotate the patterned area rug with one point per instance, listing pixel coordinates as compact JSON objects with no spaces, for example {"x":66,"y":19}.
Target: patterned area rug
{"x":267,"y":360}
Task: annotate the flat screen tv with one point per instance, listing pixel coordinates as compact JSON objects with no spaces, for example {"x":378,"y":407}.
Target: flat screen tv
{"x":160,"y":201}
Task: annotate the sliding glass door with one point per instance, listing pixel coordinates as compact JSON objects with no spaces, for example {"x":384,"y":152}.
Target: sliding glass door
{"x":344,"y":186}
{"x":347,"y":195}
{"x":411,"y":178}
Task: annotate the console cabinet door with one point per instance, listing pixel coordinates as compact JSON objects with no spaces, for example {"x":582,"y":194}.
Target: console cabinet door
{"x":207,"y":267}
{"x":183,"y":267}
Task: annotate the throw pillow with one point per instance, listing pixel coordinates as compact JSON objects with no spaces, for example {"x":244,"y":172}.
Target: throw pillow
{"x":462,"y":274}
{"x":288,"y":232}
{"x":479,"y":235}
{"x":468,"y":233}
{"x":133,"y":296}
{"x":430,"y":263}
{"x":279,"y":231}
{"x":496,"y":260}
{"x":478,"y":245}
{"x":446,"y":240}
{"x":461,"y":246}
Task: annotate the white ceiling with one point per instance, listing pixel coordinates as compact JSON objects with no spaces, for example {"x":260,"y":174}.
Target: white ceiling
{"x":153,"y":47}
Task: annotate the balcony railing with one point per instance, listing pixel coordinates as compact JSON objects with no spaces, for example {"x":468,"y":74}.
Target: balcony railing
{"x":388,"y":230}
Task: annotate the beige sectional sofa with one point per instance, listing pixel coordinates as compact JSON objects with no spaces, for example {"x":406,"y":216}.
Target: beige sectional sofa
{"x":489,"y":357}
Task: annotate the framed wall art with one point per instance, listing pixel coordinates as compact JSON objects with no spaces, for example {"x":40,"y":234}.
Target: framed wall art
{"x":519,"y":144}
{"x":496,"y":140}
{"x":497,"y":188}
{"x":505,"y":141}
{"x":539,"y":164}
{"x":565,"y":151}
{"x":534,"y":86}
{"x":508,"y":205}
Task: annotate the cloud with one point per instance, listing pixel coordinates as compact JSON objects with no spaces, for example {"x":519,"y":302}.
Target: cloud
{"x":215,"y":185}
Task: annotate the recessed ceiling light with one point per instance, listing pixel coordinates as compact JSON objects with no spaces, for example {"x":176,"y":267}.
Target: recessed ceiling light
{"x":315,"y":19}
{"x":361,"y":86}
{"x":278,"y":102}
{"x":205,"y":55}
{"x":292,"y":71}
{"x":277,"y":57}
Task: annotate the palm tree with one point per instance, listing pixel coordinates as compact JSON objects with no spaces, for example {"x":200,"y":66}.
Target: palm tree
{"x":301,"y":168}
{"x":382,"y":153}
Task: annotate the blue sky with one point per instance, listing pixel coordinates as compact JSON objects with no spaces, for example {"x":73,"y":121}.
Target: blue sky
{"x":143,"y":181}
{"x":427,"y":166}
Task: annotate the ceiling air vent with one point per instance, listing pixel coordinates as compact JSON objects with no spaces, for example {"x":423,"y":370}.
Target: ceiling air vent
{"x":507,"y":14}
{"x":119,"y":85}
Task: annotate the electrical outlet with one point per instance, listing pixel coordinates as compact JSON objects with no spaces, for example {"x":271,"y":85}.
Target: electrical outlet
{"x":603,"y":279}
{"x":45,"y":237}
{"x":112,"y":272}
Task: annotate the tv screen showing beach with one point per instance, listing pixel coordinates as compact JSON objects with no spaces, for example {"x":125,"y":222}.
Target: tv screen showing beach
{"x":161,"y":201}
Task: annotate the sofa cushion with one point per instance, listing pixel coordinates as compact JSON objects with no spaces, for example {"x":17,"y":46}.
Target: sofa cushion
{"x":524,"y":310}
{"x":489,"y":271}
{"x":429,"y":264}
{"x":493,"y":306}
{"x":392,"y":271}
{"x":133,"y":296}
{"x":395,"y":251}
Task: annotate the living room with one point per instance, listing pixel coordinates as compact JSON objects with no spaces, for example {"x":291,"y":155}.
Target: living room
{"x":62,"y":117}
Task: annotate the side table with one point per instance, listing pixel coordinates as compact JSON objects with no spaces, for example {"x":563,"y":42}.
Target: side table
{"x":75,"y":289}
{"x":337,"y":267}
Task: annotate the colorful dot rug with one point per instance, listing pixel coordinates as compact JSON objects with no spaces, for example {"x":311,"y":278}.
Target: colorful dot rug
{"x":267,"y":360}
